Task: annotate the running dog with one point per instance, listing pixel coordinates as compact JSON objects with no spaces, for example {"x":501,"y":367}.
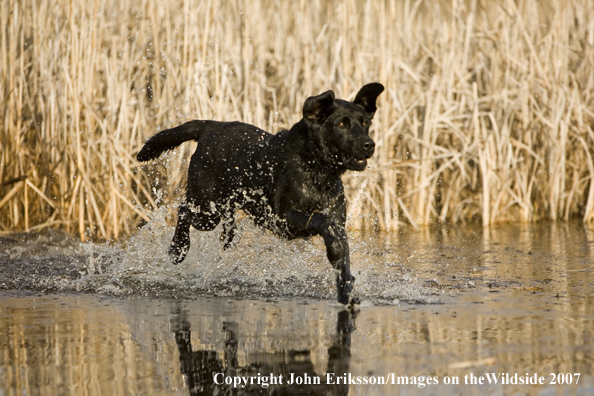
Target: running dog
{"x":289,"y":183}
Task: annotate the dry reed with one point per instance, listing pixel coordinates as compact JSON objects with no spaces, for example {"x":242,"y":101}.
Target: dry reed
{"x":488,"y":112}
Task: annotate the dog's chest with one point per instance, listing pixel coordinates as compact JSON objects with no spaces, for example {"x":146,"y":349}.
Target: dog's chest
{"x":320,"y":192}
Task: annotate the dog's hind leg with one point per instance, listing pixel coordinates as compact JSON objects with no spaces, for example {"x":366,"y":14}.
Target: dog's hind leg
{"x":202,"y":221}
{"x":180,"y":244}
{"x":229,"y":232}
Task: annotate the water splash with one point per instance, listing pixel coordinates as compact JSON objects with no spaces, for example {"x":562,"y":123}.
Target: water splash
{"x":260,"y":265}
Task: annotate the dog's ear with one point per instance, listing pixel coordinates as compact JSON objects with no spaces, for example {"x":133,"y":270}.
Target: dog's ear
{"x":318,"y":107}
{"x":368,"y":95}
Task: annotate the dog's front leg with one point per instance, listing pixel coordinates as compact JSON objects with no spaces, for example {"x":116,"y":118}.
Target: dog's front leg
{"x":337,"y":250}
{"x":337,"y":247}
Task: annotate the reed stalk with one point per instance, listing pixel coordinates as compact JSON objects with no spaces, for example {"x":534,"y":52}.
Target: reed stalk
{"x":488,"y":113}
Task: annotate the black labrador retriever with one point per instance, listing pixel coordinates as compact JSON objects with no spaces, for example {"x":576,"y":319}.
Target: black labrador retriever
{"x":289,"y":183}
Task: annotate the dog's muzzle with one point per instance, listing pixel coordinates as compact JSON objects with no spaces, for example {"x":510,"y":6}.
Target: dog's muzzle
{"x":364,"y":149}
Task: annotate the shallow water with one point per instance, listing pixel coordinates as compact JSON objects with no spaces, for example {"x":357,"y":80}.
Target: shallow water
{"x":444,"y":303}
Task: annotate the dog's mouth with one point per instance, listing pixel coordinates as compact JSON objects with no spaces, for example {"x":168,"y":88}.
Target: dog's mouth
{"x":356,"y":164}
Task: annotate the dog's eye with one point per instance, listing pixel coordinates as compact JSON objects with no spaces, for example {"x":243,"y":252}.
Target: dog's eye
{"x":341,"y":125}
{"x":364,"y":124}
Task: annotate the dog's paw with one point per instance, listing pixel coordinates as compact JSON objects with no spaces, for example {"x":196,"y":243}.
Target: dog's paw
{"x":354,"y":301}
{"x":345,"y":287}
{"x":177,"y":254}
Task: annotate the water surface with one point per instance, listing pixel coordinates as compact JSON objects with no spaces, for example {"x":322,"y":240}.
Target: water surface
{"x":444,"y":303}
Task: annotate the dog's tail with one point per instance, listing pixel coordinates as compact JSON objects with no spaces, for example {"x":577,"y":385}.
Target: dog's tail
{"x":171,"y":138}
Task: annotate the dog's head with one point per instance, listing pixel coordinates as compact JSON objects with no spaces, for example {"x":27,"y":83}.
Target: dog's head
{"x":341,"y":128}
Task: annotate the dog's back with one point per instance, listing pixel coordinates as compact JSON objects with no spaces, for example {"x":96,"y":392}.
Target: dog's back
{"x":226,"y":166}
{"x":223,"y":134}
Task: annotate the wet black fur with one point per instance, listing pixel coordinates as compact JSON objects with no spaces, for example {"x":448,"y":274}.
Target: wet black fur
{"x":289,"y":183}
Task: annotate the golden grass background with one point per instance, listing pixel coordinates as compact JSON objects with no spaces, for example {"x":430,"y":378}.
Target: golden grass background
{"x":488,"y":111}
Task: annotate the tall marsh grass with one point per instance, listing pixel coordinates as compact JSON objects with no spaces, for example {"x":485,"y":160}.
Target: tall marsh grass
{"x":488,"y":112}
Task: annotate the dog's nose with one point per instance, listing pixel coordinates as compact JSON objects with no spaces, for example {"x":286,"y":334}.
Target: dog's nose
{"x":369,"y":145}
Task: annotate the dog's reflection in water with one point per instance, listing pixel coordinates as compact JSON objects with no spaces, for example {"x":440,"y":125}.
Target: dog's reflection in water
{"x":206,"y":373}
